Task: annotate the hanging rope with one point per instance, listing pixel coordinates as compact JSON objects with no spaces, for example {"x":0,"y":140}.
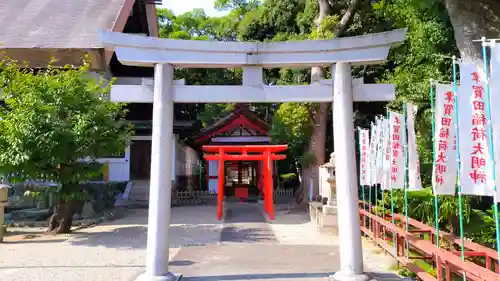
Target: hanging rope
{"x":436,"y":200}
{"x":491,"y":148}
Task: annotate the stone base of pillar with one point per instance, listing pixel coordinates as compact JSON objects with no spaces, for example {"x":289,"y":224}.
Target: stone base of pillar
{"x":169,"y":277}
{"x":339,"y":276}
{"x":329,"y":216}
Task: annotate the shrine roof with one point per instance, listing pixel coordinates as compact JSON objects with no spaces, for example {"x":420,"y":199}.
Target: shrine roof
{"x":56,"y":23}
{"x":240,"y":112}
{"x":59,"y":28}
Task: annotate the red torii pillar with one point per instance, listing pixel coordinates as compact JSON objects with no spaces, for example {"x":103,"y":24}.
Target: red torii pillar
{"x":264,"y":153}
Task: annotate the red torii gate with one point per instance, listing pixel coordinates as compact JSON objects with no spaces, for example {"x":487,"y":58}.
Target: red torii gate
{"x":264,"y":153}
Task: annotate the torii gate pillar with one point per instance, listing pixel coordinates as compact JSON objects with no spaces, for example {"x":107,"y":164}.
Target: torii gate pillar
{"x":349,"y":231}
{"x":160,"y":195}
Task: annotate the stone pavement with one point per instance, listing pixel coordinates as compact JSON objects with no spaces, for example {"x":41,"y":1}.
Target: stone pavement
{"x":113,"y":251}
{"x":243,"y":247}
{"x":252,"y":248}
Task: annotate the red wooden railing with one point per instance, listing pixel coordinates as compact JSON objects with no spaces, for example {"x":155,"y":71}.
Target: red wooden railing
{"x":447,"y":264}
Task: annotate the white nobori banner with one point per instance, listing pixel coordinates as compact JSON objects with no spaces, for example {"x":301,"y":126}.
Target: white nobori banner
{"x":444,"y":175}
{"x":386,"y":158}
{"x":373,"y":154}
{"x":475,"y":174}
{"x":414,"y":182}
{"x":380,"y":150}
{"x":364,"y":147}
{"x":495,"y":112}
{"x":396,"y":128}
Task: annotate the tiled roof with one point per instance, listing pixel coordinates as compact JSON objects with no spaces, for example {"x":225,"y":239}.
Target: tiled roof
{"x":239,"y":110}
{"x":56,"y":23}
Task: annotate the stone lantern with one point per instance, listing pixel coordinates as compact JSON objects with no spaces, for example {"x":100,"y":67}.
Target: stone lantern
{"x":4,"y":193}
{"x":332,"y":195}
{"x":329,"y":212}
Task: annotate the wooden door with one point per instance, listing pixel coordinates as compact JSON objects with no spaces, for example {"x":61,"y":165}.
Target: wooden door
{"x":140,"y":160}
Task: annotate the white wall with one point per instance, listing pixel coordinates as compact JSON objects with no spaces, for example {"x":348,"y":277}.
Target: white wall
{"x":213,"y":170}
{"x":118,"y":168}
{"x":184,"y":158}
{"x":119,"y":171}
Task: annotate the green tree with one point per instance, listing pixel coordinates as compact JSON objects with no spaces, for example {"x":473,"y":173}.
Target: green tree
{"x":196,"y":25}
{"x":426,"y":54}
{"x":50,"y":122}
{"x":472,"y":20}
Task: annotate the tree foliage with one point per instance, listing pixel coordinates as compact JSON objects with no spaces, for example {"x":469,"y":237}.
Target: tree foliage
{"x":53,"y":123}
{"x":53,"y":119}
{"x":423,"y":56}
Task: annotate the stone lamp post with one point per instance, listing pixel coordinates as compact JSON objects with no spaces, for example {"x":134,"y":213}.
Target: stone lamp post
{"x":329,"y":212}
{"x":332,"y":196}
{"x":4,"y":193}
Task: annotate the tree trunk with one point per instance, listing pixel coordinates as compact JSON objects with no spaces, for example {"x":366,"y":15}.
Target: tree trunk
{"x":319,"y":114}
{"x":62,"y":219}
{"x":455,"y":225}
{"x":472,"y":20}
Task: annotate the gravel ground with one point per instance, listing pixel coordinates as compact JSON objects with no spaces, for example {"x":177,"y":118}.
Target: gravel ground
{"x":107,"y":252}
{"x":116,"y":250}
{"x":295,"y":228}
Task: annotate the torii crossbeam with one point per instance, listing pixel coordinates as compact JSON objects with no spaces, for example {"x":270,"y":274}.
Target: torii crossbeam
{"x":339,"y":53}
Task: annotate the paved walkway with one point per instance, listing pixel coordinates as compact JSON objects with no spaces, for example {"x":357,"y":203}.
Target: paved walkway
{"x":245,"y":223}
{"x":252,"y":248}
{"x":243,"y":247}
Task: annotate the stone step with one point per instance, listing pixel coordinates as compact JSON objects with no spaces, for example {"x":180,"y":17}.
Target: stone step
{"x":139,"y":192}
{"x":138,"y":196}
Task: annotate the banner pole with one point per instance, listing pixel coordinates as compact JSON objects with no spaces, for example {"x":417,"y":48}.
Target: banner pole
{"x":436,"y":200}
{"x":384,"y":157}
{"x":382,"y":143}
{"x":364,"y":204}
{"x":459,"y":182}
{"x":491,"y":148}
{"x":405,"y":174}
{"x":375,"y":195}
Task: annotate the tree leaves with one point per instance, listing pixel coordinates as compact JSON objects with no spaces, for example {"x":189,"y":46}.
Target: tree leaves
{"x":54,"y":118}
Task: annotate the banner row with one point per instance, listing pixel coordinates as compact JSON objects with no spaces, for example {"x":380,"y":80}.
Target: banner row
{"x":466,"y":159}
{"x":383,"y":149}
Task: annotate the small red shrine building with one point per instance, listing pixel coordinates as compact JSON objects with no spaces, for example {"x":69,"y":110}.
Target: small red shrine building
{"x":239,"y":127}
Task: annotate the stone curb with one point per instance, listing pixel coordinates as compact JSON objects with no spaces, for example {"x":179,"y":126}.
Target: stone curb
{"x":111,"y":215}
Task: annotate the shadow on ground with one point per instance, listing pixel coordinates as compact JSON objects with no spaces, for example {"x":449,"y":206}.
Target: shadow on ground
{"x":282,"y":276}
{"x":135,"y":237}
{"x":246,"y":235}
{"x":72,"y":266}
{"x":288,"y":276}
{"x":290,"y":214}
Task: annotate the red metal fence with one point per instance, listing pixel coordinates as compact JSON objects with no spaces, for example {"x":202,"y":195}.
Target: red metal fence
{"x":446,"y":263}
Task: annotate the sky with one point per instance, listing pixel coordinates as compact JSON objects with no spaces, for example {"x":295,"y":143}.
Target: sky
{"x":182,"y":6}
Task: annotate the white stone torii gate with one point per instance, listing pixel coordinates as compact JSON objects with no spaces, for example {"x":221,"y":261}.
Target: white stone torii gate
{"x":165,"y":54}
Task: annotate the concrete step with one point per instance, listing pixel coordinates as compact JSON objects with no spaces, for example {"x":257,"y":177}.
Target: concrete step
{"x":139,"y":194}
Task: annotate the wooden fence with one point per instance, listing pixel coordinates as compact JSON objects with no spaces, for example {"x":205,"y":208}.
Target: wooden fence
{"x":445,"y":260}
{"x":196,"y":197}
